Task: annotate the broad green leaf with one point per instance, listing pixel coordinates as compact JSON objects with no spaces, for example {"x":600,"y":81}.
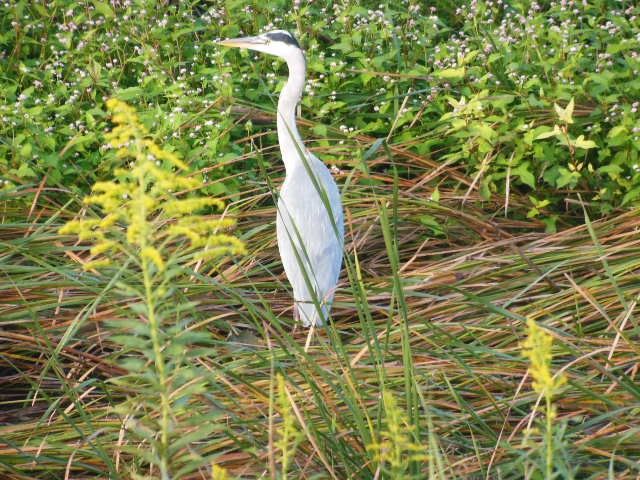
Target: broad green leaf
{"x":103,"y":8}
{"x":25,"y":150}
{"x":450,"y":73}
{"x":580,"y":142}
{"x":25,"y":171}
{"x":617,"y":131}
{"x":129,"y":93}
{"x":523,"y":172}
{"x":566,"y":177}
{"x":612,"y":170}
{"x":551,"y":133}
{"x":565,"y":114}
{"x":371,"y":151}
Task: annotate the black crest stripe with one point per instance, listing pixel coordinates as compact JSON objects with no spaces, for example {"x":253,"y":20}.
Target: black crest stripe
{"x":283,"y":37}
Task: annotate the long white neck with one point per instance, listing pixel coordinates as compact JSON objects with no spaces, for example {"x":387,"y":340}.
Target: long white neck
{"x":291,"y":145}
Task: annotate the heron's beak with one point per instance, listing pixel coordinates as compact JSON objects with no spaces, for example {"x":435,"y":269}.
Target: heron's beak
{"x":243,"y":42}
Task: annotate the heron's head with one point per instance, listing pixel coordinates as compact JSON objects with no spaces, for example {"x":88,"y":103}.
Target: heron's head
{"x":276,"y":42}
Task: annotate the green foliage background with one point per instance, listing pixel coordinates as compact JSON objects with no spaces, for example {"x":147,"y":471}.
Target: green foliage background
{"x":397,"y":71}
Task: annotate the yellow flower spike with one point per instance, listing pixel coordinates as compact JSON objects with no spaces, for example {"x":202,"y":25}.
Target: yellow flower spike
{"x":102,"y":247}
{"x":109,"y":221}
{"x":214,"y":226}
{"x":80,"y":227}
{"x":537,"y":348}
{"x":136,"y":232}
{"x":188,"y":183}
{"x":103,"y":186}
{"x":218,"y":245}
{"x":230,"y":241}
{"x":179,"y":230}
{"x":87,"y":234}
{"x":219,"y":473}
{"x":395,"y":447}
{"x":151,"y":253}
{"x":70,"y":227}
{"x":190,"y":205}
{"x":143,"y":196}
{"x":96,"y":264}
{"x":174,"y":160}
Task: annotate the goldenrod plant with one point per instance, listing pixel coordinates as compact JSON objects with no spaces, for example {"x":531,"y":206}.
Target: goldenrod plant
{"x":396,"y":447}
{"x":289,"y":436}
{"x":143,"y":201}
{"x":537,"y":348}
{"x":219,"y":473}
{"x":147,"y":214}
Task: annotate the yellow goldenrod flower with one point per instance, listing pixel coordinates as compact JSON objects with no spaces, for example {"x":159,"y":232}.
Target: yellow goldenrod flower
{"x":395,"y":447}
{"x":147,"y":212}
{"x":102,"y":247}
{"x":288,"y":434}
{"x":190,"y":205}
{"x":108,"y":221}
{"x":537,"y":348}
{"x":221,"y":244}
{"x":219,"y":473}
{"x":179,"y":230}
{"x":151,"y":253}
{"x":96,"y":264}
{"x":141,"y":194}
{"x":207,"y":226}
{"x":70,"y":227}
{"x":86,"y":234}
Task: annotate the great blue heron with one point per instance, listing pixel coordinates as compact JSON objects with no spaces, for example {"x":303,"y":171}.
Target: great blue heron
{"x":310,"y":221}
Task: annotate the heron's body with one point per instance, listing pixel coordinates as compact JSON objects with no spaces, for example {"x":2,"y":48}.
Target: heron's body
{"x":310,"y":222}
{"x":310,"y":243}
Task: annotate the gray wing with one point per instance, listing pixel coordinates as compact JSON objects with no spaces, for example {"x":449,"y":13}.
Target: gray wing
{"x":305,"y":224}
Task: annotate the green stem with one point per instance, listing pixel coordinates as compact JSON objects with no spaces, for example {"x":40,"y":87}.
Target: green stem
{"x":285,"y":454}
{"x":549,"y":438}
{"x":154,"y":328}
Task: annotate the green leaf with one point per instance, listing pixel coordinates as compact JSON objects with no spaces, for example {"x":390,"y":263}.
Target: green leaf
{"x":371,"y":151}
{"x":523,"y":172}
{"x":25,"y":150}
{"x":580,"y":142}
{"x":631,"y":196}
{"x":567,"y":177}
{"x":617,"y":131}
{"x":432,"y":224}
{"x":551,"y":133}
{"x":129,"y":93}
{"x":612,"y":170}
{"x":450,"y":73}
{"x":131,"y":341}
{"x":469,"y":57}
{"x":25,"y":171}
{"x":483,"y":130}
{"x":320,"y":130}
{"x":103,"y":8}
{"x":565,"y":114}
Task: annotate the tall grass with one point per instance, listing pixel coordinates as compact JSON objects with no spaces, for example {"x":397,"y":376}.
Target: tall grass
{"x":432,"y":321}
